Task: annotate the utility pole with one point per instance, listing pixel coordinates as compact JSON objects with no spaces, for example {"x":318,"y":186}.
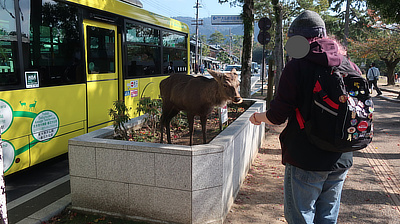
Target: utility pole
{"x":197,"y":22}
{"x":230,"y":44}
{"x":346,"y":22}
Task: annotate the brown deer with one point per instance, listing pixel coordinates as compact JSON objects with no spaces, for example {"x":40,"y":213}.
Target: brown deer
{"x":196,"y":95}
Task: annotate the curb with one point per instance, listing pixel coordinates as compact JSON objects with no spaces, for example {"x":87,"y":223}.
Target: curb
{"x":389,"y":99}
{"x":389,"y":90}
{"x":48,"y":212}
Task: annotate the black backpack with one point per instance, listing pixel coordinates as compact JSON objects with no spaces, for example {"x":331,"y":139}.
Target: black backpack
{"x":341,"y":111}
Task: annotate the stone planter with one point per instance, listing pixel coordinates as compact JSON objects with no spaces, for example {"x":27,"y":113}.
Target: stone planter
{"x":163,"y":182}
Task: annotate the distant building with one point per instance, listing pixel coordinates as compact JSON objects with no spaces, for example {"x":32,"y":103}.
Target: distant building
{"x":210,"y":61}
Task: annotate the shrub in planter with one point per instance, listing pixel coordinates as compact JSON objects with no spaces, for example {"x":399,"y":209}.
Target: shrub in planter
{"x":149,"y":130}
{"x":119,"y":115}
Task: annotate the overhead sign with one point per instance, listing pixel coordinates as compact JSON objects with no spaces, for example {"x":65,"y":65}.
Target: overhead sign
{"x":226,"y":20}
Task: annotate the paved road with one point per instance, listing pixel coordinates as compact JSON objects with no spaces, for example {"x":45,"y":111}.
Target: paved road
{"x":31,"y":190}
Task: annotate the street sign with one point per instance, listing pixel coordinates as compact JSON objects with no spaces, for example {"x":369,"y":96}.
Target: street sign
{"x":263,"y":37}
{"x":264,"y":23}
{"x":226,"y":20}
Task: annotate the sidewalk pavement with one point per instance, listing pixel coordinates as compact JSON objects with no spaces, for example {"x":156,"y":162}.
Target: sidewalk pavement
{"x":390,"y":93}
{"x":371,"y":192}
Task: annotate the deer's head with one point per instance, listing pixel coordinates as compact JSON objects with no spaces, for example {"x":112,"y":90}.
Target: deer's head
{"x":228,"y":84}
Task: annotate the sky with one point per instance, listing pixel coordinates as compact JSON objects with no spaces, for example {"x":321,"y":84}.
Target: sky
{"x":174,"y":8}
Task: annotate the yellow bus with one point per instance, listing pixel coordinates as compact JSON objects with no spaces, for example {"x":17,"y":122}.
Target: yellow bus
{"x":64,"y":63}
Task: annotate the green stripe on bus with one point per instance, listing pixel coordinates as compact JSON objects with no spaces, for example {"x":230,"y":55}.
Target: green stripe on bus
{"x":26,"y":147}
{"x":24,"y":114}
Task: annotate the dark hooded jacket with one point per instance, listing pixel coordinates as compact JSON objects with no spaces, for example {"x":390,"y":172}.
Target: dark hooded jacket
{"x":295,"y":91}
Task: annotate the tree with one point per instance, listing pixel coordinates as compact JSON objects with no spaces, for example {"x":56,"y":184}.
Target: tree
{"x":223,"y":56}
{"x":237,"y":45}
{"x":389,"y":9}
{"x":273,"y":10}
{"x":216,"y":38}
{"x":248,"y":26}
{"x":346,"y":17}
{"x":350,"y":23}
{"x":282,"y":12}
{"x":203,"y":38}
{"x":278,"y":49}
{"x":257,"y":52}
{"x":385,"y":47}
{"x":205,"y":49}
{"x":247,"y":55}
{"x":346,"y":22}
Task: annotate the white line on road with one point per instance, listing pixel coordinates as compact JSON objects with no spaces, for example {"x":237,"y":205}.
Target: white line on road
{"x":37,"y":192}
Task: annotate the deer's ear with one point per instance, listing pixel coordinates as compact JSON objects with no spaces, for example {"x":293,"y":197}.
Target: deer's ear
{"x":234,"y":72}
{"x":214,"y":74}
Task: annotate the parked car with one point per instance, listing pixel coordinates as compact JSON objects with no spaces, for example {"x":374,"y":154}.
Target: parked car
{"x":254,"y":68}
{"x":238,"y":68}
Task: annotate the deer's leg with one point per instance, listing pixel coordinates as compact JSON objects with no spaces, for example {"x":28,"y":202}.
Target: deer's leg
{"x":162,"y":122}
{"x":168,"y":127}
{"x":166,"y":118}
{"x":203,"y":120}
{"x":190,"y":118}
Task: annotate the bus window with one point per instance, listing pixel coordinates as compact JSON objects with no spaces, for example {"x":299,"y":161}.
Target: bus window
{"x":8,"y":46}
{"x":143,"y":60}
{"x":101,"y":50}
{"x":143,"y":50}
{"x":174,"y":40}
{"x":174,"y":53}
{"x":54,"y":47}
{"x":141,"y":34}
{"x":176,"y":58}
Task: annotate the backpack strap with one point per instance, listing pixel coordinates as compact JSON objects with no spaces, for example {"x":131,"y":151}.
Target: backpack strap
{"x":317,"y":90}
{"x":300,"y":118}
{"x":372,"y":71}
{"x":324,"y":96}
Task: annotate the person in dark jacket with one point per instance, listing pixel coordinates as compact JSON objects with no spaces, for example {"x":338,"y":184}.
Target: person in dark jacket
{"x":314,"y":177}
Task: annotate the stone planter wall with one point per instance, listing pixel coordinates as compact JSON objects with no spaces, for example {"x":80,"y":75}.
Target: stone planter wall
{"x":172,"y":183}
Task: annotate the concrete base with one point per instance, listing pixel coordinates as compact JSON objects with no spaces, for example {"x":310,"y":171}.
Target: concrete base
{"x":172,"y":183}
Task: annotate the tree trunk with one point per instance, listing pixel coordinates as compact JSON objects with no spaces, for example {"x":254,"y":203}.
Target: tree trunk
{"x":390,"y":74}
{"x":346,"y":23}
{"x":248,"y":22}
{"x":278,"y":49}
{"x":390,"y":66}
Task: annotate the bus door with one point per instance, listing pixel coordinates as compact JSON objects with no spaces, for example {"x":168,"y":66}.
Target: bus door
{"x":101,"y":71}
